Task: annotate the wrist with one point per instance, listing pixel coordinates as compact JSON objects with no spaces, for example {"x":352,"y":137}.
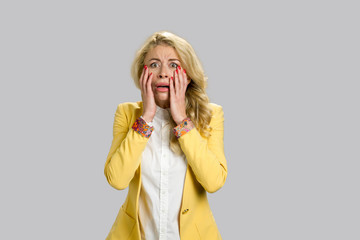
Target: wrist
{"x":147,"y":118}
{"x":180,"y":120}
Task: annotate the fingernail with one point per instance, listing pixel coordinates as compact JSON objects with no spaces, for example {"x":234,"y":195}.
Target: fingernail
{"x":150,"y":74}
{"x":177,"y":71}
{"x":171,"y":78}
{"x":145,"y":66}
{"x":179,"y":67}
{"x":184,"y":71}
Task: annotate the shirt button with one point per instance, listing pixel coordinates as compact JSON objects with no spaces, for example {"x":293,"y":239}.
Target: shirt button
{"x":185,"y":211}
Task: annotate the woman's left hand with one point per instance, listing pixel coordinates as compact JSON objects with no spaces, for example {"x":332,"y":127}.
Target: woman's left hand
{"x":178,"y":85}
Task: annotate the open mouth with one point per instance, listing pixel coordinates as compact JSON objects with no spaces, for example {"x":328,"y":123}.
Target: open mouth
{"x":162,"y":85}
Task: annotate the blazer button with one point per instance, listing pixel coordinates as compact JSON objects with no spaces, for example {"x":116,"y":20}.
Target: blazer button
{"x":185,"y":211}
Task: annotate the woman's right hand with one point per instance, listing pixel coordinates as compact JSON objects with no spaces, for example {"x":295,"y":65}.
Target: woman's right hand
{"x":147,"y":95}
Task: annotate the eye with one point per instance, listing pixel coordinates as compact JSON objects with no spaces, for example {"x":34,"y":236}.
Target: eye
{"x":154,"y":65}
{"x":173,"y":65}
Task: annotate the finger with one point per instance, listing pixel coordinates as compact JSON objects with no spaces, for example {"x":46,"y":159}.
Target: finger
{"x":148,"y":84}
{"x":141,"y":78}
{"x":182,"y":80}
{"x":177,"y":81}
{"x":182,"y":77}
{"x":186,"y":81}
{"x":173,"y":80}
{"x":172,"y":88}
{"x":145,"y":78}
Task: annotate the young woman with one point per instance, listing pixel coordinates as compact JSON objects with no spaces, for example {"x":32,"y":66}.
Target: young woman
{"x":168,"y":148}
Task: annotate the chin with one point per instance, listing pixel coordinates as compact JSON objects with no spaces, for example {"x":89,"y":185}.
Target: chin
{"x":163,"y":96}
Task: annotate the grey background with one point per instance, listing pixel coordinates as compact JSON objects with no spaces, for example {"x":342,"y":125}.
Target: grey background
{"x":285,"y":72}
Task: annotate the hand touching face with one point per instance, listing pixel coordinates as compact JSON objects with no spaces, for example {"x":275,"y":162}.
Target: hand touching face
{"x":163,"y":65}
{"x":162,"y":62}
{"x":178,"y":86}
{"x":147,"y":95}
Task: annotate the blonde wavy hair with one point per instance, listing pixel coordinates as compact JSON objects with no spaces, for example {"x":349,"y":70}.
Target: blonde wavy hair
{"x":197,"y":101}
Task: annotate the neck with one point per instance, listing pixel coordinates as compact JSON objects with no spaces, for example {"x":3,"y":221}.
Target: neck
{"x":163,"y":104}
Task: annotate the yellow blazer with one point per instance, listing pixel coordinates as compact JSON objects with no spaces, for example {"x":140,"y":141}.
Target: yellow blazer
{"x":206,"y":171}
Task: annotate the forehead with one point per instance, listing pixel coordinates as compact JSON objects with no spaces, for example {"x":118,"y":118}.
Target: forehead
{"x":162,"y":52}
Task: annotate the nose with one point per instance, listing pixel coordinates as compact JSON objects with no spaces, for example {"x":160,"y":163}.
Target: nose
{"x":164,"y":73}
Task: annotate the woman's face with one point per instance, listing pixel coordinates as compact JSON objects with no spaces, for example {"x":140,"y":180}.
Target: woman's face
{"x":162,"y":61}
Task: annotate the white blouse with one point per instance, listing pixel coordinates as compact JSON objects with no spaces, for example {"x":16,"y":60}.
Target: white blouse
{"x":162,"y":182}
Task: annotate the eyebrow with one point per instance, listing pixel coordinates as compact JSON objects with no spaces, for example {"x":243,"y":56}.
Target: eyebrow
{"x":171,"y":59}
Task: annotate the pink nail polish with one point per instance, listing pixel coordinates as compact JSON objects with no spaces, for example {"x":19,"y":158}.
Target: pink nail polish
{"x":145,"y":66}
{"x":184,"y":71}
{"x":177,"y":71}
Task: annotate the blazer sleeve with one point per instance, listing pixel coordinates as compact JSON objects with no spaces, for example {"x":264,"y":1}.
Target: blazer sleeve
{"x":206,"y":156}
{"x":125,"y":152}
